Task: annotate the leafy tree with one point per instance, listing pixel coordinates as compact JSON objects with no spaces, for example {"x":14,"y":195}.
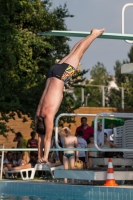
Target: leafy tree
{"x":114,"y":95}
{"x":125,"y":81}
{"x":25,"y":58}
{"x":99,"y":78}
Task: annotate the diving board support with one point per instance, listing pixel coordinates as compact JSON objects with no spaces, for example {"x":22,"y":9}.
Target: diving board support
{"x":127,"y":68}
{"x":123,"y":11}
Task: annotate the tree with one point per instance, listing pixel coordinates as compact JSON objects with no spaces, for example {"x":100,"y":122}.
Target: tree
{"x":114,"y":94}
{"x":125,"y":81}
{"x":25,"y":58}
{"x":99,"y":78}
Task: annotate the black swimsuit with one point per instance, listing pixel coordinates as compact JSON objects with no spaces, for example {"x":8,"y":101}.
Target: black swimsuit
{"x":62,"y":71}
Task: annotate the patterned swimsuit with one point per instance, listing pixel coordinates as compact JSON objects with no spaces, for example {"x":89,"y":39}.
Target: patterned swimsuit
{"x":62,"y":71}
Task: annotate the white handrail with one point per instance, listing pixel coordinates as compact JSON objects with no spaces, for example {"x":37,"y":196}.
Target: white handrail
{"x":69,"y":115}
{"x":123,"y":11}
{"x":122,"y":115}
{"x":2,"y":160}
{"x":103,"y":115}
{"x":52,"y":149}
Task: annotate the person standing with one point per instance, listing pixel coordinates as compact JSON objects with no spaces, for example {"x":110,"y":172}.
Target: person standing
{"x":19,"y":139}
{"x":100,"y":134}
{"x":81,"y":144}
{"x":90,"y":154}
{"x":69,"y":141}
{"x":32,"y":142}
{"x":85,"y":128}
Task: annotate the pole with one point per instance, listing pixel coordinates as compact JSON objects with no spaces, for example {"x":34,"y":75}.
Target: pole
{"x":103,"y":97}
{"x":82,"y":95}
{"x":87,"y":99}
{"x":122,"y":98}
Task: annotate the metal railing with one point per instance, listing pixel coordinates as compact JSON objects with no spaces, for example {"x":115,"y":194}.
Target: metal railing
{"x":121,"y":115}
{"x":69,"y":115}
{"x":2,"y":159}
{"x":123,"y":11}
{"x":96,"y":149}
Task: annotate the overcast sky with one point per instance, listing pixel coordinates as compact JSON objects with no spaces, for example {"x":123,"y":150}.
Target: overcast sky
{"x":90,"y":14}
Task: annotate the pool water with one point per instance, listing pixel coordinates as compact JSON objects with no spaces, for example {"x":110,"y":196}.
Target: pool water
{"x":53,"y":191}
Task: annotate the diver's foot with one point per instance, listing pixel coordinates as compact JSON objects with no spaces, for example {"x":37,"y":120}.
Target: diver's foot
{"x":41,"y":161}
{"x":97,"y":32}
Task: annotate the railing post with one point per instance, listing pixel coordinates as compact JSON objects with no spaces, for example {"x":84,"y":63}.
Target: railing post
{"x":122,"y":98}
{"x":103,"y":97}
{"x":2,"y":161}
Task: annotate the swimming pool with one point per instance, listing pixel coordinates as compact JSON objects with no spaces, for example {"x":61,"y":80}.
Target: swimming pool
{"x":18,"y":190}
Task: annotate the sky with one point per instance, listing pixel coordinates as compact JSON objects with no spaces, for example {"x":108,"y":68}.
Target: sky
{"x":106,"y":14}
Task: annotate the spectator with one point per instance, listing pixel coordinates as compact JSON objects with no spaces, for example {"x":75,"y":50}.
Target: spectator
{"x":19,"y":139}
{"x":25,"y":158}
{"x":14,"y":159}
{"x":29,"y":162}
{"x":100,"y":137}
{"x":32,"y":143}
{"x":81,"y":144}
{"x":107,"y":144}
{"x":9,"y":159}
{"x":69,"y":141}
{"x":18,"y":158}
{"x":90,"y":154}
{"x":87,"y":130}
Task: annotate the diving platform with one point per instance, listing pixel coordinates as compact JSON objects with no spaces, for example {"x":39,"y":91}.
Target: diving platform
{"x":92,"y":175}
{"x":117,"y":36}
{"x":98,"y":173}
{"x":127,"y":68}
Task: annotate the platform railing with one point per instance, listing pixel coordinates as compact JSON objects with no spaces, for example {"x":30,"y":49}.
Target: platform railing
{"x":69,"y":115}
{"x":2,"y":159}
{"x":96,"y":149}
{"x":123,"y":12}
{"x":102,"y":114}
{"x":97,"y":116}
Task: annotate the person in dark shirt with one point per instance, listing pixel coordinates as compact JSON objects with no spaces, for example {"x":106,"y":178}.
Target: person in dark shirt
{"x":32,"y":143}
{"x":87,"y":130}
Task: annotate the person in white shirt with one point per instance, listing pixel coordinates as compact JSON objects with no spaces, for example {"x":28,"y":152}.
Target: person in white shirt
{"x":100,"y":137}
{"x":81,"y":144}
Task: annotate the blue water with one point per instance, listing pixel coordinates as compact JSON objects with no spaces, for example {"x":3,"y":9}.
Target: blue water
{"x":51,"y":191}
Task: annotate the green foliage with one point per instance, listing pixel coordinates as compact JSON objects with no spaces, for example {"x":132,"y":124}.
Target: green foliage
{"x":99,"y":77}
{"x":24,"y":143}
{"x":4,"y":129}
{"x":99,"y":74}
{"x":125,"y":81}
{"x":25,"y":58}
